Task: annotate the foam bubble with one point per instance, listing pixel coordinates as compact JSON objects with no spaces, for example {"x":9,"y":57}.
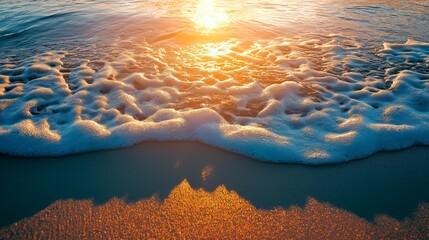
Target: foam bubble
{"x":282,"y":100}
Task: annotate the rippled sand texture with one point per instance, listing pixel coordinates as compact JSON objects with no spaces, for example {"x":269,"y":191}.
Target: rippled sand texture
{"x":222,"y":214}
{"x":260,"y":89}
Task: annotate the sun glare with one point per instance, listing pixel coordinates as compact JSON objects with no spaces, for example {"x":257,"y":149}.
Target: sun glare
{"x":207,"y":17}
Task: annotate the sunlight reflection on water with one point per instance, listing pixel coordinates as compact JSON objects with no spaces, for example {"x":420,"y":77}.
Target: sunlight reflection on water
{"x":274,"y":68}
{"x":288,"y":81}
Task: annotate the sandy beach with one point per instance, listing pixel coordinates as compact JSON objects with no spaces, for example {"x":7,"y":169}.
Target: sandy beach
{"x":392,"y":184}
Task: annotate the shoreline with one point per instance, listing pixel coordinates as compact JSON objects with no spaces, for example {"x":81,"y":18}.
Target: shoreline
{"x":391,"y":183}
{"x":251,"y":158}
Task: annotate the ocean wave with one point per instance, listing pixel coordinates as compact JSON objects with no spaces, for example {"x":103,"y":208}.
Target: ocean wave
{"x":303,"y":100}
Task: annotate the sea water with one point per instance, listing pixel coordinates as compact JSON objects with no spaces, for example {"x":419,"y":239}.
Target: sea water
{"x":304,"y":81}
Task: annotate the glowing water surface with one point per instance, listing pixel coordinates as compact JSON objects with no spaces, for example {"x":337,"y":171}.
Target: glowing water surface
{"x":304,"y":81}
{"x":285,"y":81}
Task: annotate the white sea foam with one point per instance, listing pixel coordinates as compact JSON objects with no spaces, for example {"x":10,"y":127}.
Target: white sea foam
{"x":310,"y":101}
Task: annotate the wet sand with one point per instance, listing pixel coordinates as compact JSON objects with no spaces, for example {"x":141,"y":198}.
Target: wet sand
{"x":388,"y":183}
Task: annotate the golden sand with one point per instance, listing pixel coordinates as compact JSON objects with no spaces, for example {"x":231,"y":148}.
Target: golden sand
{"x":197,"y":214}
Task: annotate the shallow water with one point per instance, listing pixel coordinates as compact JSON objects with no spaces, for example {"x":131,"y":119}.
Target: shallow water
{"x":388,"y":183}
{"x":286,"y":81}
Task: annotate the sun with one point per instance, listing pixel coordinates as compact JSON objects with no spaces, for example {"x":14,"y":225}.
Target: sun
{"x":207,"y":17}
